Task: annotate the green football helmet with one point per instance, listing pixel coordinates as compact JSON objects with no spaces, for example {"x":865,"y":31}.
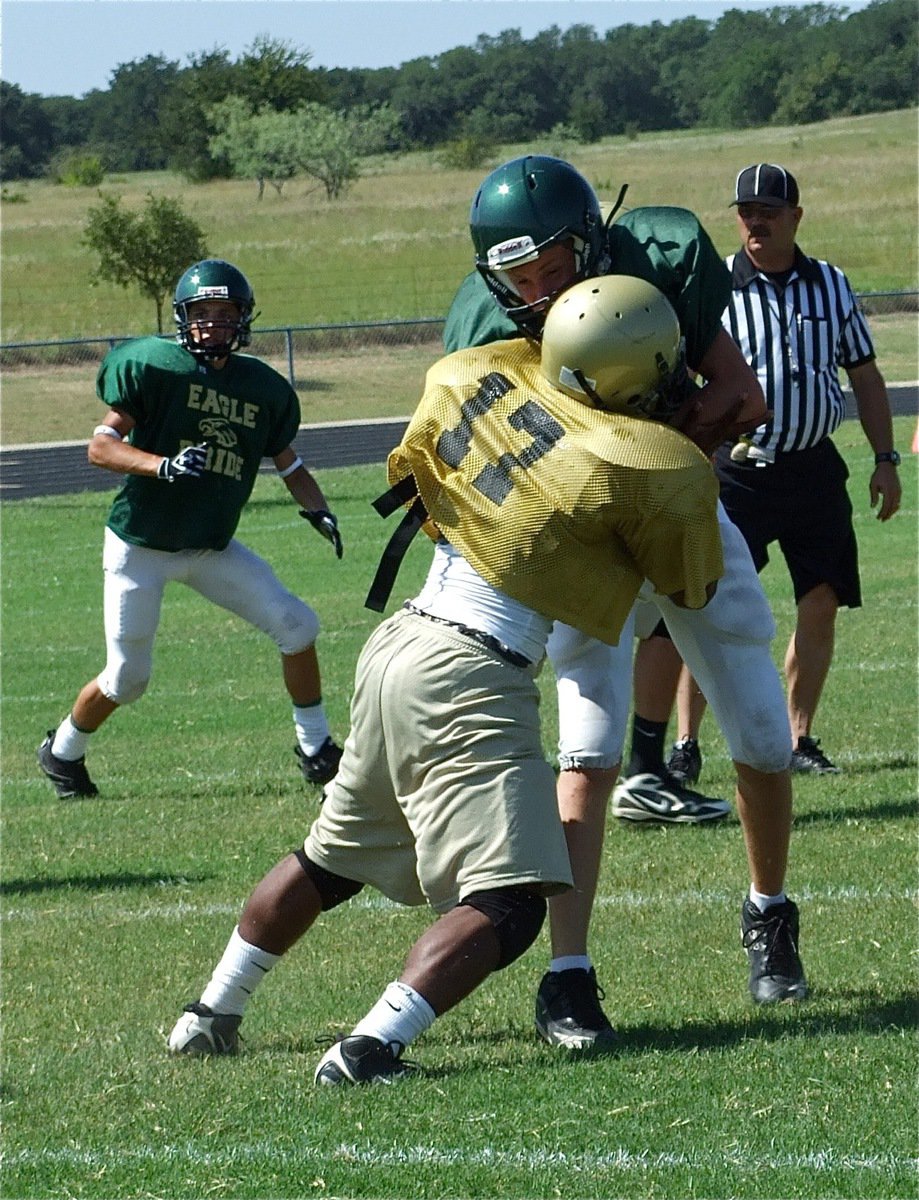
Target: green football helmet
{"x":614,"y":342}
{"x":214,"y":279}
{"x":520,"y":210}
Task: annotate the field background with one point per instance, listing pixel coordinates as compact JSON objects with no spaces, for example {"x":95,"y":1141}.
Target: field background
{"x":115,"y":909}
{"x":397,"y":246}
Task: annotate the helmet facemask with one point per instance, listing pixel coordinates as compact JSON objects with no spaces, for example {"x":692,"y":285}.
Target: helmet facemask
{"x":237,"y":333}
{"x":516,"y":252}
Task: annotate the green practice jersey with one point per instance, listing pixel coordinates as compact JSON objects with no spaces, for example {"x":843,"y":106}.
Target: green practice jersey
{"x":664,"y":246}
{"x":245,"y":412}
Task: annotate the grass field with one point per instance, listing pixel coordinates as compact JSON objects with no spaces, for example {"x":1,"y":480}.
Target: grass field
{"x":115,"y":909}
{"x":398,"y":243}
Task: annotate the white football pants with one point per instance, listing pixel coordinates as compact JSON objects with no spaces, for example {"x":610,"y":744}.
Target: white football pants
{"x":234,"y":578}
{"x":726,"y":646}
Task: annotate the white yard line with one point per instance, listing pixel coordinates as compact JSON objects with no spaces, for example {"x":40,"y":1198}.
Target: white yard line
{"x":619,"y":1159}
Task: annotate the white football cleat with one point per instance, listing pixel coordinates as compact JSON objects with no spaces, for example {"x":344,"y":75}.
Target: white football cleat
{"x":650,"y":797}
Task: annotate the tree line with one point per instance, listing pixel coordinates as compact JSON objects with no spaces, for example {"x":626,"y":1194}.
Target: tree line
{"x":269,"y":115}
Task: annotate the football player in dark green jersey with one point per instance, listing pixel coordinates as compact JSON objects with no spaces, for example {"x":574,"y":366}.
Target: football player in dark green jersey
{"x":537,"y":228}
{"x":188,"y":423}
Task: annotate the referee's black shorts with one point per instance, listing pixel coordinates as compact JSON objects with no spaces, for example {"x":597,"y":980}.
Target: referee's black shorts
{"x":801,"y":502}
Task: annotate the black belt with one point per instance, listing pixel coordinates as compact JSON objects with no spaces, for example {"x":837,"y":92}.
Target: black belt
{"x":484,"y":639}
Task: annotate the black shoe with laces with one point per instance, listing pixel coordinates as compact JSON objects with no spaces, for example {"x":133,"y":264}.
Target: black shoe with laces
{"x":770,"y":939}
{"x":360,"y":1059}
{"x":321,"y":766}
{"x":568,"y":1011}
{"x":70,"y":777}
{"x":808,"y":758}
{"x":685,"y":765}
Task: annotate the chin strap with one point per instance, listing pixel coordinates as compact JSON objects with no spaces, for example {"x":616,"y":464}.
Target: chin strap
{"x":616,"y":206}
{"x":391,"y":560}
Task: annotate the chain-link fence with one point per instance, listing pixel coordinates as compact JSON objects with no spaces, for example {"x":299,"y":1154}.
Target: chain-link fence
{"x":285,"y":346}
{"x":282,"y":346}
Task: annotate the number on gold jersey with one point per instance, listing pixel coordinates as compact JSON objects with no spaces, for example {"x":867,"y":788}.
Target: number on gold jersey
{"x":494,"y":480}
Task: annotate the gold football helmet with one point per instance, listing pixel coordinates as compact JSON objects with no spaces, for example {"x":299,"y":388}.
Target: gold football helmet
{"x":614,"y":342}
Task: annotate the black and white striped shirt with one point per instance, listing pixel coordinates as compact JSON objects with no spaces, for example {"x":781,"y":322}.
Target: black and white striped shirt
{"x":796,"y":338}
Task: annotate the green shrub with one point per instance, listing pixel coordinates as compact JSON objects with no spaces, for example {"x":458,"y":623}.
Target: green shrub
{"x":79,"y":170}
{"x":466,"y":153}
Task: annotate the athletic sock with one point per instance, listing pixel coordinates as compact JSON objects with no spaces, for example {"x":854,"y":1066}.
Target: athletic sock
{"x":69,"y":742}
{"x":570,"y":962}
{"x":237,"y":975}
{"x":397,"y":1018}
{"x":763,"y":902}
{"x":311,"y":726}
{"x":648,"y":739}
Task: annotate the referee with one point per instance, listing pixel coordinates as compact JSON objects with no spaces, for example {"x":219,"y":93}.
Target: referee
{"x":796,"y":321}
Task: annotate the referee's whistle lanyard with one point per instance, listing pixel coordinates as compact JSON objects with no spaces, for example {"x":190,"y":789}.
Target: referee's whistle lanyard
{"x":791,"y":324}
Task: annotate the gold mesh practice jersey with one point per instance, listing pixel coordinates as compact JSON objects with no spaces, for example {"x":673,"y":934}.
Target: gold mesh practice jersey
{"x":563,"y":507}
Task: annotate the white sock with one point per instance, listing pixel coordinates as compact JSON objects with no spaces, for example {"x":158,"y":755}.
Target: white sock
{"x":237,"y":975}
{"x":763,"y":902}
{"x":571,"y":962}
{"x":311,"y":726}
{"x":397,"y":1018}
{"x":69,"y":742}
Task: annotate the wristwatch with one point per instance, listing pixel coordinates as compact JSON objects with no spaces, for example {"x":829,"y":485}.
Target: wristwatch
{"x":890,"y":456}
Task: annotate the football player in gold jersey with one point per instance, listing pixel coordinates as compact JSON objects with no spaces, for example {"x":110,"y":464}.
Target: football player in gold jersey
{"x":544,"y":505}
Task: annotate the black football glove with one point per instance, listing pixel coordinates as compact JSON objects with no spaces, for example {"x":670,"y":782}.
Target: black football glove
{"x":323,"y":522}
{"x":187,"y":464}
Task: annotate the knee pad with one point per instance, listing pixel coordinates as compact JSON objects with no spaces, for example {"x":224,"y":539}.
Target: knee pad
{"x":123,"y":685}
{"x":517,"y":915}
{"x":293,"y":625}
{"x":333,"y":889}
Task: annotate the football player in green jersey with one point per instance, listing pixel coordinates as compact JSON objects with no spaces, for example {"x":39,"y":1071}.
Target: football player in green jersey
{"x":537,"y":227}
{"x":188,"y":423}
{"x":542,"y":505}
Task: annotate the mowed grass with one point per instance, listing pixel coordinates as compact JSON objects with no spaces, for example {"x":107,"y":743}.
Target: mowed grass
{"x":115,"y":910}
{"x":398,"y":244}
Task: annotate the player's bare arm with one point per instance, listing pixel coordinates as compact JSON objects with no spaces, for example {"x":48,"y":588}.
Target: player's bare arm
{"x":730,"y":403}
{"x":299,"y":482}
{"x":108,"y":449}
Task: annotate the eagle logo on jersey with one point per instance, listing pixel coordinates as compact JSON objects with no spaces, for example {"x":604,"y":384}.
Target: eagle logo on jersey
{"x":215,"y":429}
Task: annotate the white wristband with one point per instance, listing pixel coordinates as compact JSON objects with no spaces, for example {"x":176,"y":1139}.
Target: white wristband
{"x":298,"y":462}
{"x":108,"y":431}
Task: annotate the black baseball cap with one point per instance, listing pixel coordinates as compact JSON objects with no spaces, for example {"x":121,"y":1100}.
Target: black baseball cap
{"x":765,"y":183}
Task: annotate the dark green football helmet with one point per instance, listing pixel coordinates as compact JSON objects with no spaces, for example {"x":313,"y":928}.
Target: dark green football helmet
{"x":520,"y":210}
{"x":214,"y":279}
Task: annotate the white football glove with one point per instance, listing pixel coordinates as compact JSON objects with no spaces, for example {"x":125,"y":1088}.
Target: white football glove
{"x":187,"y":464}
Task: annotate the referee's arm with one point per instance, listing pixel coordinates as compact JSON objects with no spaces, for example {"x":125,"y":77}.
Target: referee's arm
{"x":874,"y":413}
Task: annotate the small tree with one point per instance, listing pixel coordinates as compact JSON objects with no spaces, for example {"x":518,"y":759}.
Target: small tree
{"x":149,"y":249}
{"x":260,"y":146}
{"x":327,"y":147}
